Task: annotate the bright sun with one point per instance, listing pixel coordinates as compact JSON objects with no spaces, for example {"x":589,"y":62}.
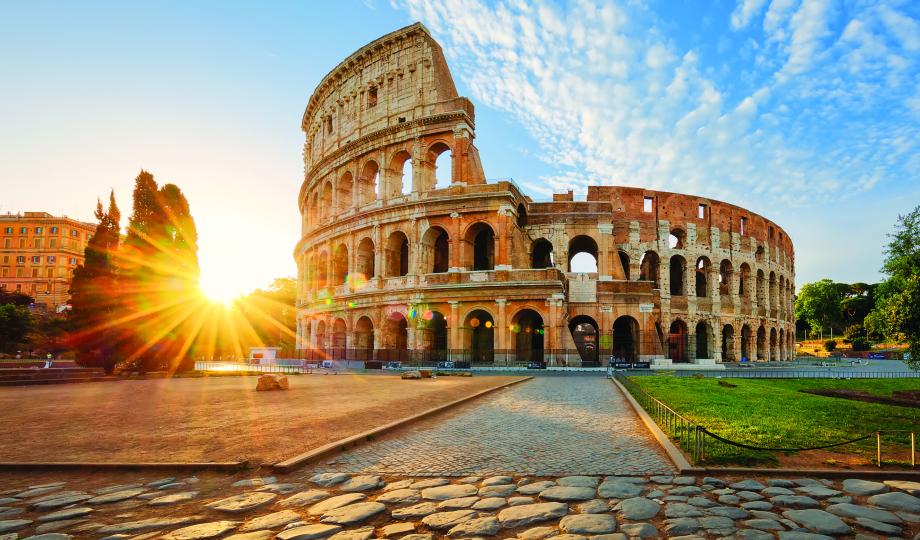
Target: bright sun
{"x":221,"y":291}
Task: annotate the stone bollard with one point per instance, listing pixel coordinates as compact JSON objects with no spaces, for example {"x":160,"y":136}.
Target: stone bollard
{"x":272,"y":382}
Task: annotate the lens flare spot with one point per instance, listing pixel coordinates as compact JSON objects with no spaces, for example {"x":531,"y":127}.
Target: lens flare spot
{"x":356,"y":281}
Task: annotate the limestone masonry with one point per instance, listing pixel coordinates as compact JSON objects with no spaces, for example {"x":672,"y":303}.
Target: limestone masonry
{"x":393,"y":265}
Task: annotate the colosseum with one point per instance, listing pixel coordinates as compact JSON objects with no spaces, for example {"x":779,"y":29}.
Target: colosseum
{"x":401,"y":259}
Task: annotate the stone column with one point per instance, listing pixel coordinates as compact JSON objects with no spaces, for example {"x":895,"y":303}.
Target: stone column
{"x":456,"y":243}
{"x":453,"y":326}
{"x":379,"y":250}
{"x":716,"y":353}
{"x":501,"y":249}
{"x":501,"y":332}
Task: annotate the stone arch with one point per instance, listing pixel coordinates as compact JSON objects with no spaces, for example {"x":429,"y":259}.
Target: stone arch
{"x":677,"y":238}
{"x":432,"y":335}
{"x":339,"y":265}
{"x":678,"y":269}
{"x":521,"y":219}
{"x":583,"y":244}
{"x":762,"y":343}
{"x":678,"y":341}
{"x":704,"y":335}
{"x":401,"y":168}
{"x":440,"y":156}
{"x":326,"y":200}
{"x":322,"y":265}
{"x":319,"y":338}
{"x":725,"y":277}
{"x":435,"y":256}
{"x":343,"y":190}
{"x":339,"y":339}
{"x":702,"y":277}
{"x":774,"y":344}
{"x":746,"y":343}
{"x":626,"y":339}
{"x":542,"y":254}
{"x":744,"y":281}
{"x":368,"y":182}
{"x":624,"y":262}
{"x":527,"y":328}
{"x":728,"y":343}
{"x":478,"y":335}
{"x":396,"y":337}
{"x":365,"y":258}
{"x":783,"y":353}
{"x":586,"y":334}
{"x":364,"y":338}
{"x":761,"y":288}
{"x":650,"y":268}
{"x":759,"y":254}
{"x":479,"y":247}
{"x":771,"y":281}
{"x":397,"y":254}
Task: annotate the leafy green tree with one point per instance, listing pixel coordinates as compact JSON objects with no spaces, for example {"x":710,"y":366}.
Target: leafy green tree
{"x":830,"y":345}
{"x":271,"y":314}
{"x":15,"y":324}
{"x":818,"y":304}
{"x":15,"y":297}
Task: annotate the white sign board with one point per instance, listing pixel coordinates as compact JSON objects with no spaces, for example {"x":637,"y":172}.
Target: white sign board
{"x":646,"y":308}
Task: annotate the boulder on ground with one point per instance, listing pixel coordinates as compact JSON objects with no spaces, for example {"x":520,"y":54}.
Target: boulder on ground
{"x":272,"y":382}
{"x":411,"y":375}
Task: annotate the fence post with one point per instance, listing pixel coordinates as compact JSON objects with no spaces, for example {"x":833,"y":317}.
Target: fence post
{"x":878,"y":448}
{"x":913,"y":449}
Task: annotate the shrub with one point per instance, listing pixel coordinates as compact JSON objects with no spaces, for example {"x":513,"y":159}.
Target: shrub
{"x":830,"y":345}
{"x":860,"y":344}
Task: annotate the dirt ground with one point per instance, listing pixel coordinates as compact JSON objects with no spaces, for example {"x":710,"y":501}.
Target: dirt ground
{"x":209,"y":419}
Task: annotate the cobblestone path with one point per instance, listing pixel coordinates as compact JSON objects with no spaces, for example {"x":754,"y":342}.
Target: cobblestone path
{"x":545,"y":427}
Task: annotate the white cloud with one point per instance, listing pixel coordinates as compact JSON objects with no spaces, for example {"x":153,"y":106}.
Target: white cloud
{"x":745,"y":11}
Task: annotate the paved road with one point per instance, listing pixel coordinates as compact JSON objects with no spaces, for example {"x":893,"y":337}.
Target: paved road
{"x":547,"y":426}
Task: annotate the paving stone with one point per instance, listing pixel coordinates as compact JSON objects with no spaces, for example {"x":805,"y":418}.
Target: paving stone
{"x":896,"y":500}
{"x":773,"y":491}
{"x":8,"y":500}
{"x":857,"y":486}
{"x":723,"y":491}
{"x":173,"y":485}
{"x":469,"y":480}
{"x":535,"y":487}
{"x":681,"y":526}
{"x":309,"y":532}
{"x":38,"y":490}
{"x":639,"y":530}
{"x":428,"y":483}
{"x":717,"y":524}
{"x":458,"y":503}
{"x":662,"y":479}
{"x":328,"y":479}
{"x":763,"y":514}
{"x":362,"y":533}
{"x":617,"y":489}
{"x":426,"y":536}
{"x":819,"y":492}
{"x":588,"y":524}
{"x":681,"y":510}
{"x":904,"y":485}
{"x":579,"y":481}
{"x":8,"y":525}
{"x":654,"y":494}
{"x":568,"y":537}
{"x":254,"y":482}
{"x":502,"y":490}
{"x":728,"y":511}
{"x":59,"y":502}
{"x":764,"y":524}
{"x":489,"y":503}
{"x":757,"y":505}
{"x":808,"y":482}
{"x":148,"y":524}
{"x":519,"y":516}
{"x":399,"y":496}
{"x":753,"y":534}
{"x":7,"y":511}
{"x":565,"y":493}
{"x":361,"y":483}
{"x":596,"y":506}
{"x":281,"y":489}
{"x":305,"y":498}
{"x":749,"y":495}
{"x":684,"y":481}
{"x":715,"y":482}
{"x":818,"y":521}
{"x":685,"y":491}
{"x":518,"y":501}
{"x":49,"y":536}
{"x":254,"y":535}
{"x":485,"y":526}
{"x":494,"y":481}
{"x":416,"y":511}
{"x":442,"y":493}
{"x":747,"y":485}
{"x":161,"y":482}
{"x":843,"y":499}
{"x":700,"y":502}
{"x":271,"y":521}
{"x":448,"y":520}
{"x":353,"y":513}
{"x":67,"y":513}
{"x":173,"y":498}
{"x":781,"y":482}
{"x":908,"y":517}
{"x":795,"y":501}
{"x":335,"y":502}
{"x":856,"y":511}
{"x":537,"y":533}
{"x":878,"y":526}
{"x":399,"y":484}
{"x":202,"y":530}
{"x":637,"y":508}
{"x":245,"y":502}
{"x":395,"y":529}
{"x":674,"y":498}
{"x":116,"y":496}
{"x":799,"y":535}
{"x":53,"y":526}
{"x":729,"y":499}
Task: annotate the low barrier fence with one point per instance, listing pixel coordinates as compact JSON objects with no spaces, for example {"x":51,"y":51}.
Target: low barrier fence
{"x":781,"y":373}
{"x":703,"y":446}
{"x":248,"y":367}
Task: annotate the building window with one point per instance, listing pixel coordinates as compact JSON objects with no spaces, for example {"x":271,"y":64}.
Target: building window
{"x":22,"y":243}
{"x":9,"y":230}
{"x":38,"y":243}
{"x":372,"y":97}
{"x":73,"y":261}
{"x":19,"y":272}
{"x":21,"y":259}
{"x":53,"y":242}
{"x":7,"y":243}
{"x":6,"y":272}
{"x":19,"y":287}
{"x":74,"y":232}
{"x":701,"y":211}
{"x":23,"y":230}
{"x":647,"y":205}
{"x":54,"y":230}
{"x":35,"y":272}
{"x":743,"y":223}
{"x":36,"y":259}
{"x":39,"y":230}
{"x":50,"y":272}
{"x":50,"y":259}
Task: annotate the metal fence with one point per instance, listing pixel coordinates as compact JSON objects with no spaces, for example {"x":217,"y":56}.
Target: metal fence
{"x":704,"y":446}
{"x":248,"y":367}
{"x":780,"y":373}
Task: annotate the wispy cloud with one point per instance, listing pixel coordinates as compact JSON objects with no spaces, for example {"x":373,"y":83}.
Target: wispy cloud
{"x":812,"y":101}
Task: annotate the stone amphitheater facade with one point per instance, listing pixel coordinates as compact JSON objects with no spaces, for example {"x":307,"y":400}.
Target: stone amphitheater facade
{"x":394,"y":263}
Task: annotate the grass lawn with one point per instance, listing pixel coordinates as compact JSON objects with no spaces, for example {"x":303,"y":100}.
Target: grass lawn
{"x":773,"y":413}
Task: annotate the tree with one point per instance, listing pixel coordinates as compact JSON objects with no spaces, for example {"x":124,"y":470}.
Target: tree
{"x":15,"y":323}
{"x":271,"y":314}
{"x":16,"y":298}
{"x":95,"y":298}
{"x":818,"y":304}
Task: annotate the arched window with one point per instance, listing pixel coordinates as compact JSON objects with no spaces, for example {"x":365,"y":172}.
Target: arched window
{"x":343,"y":192}
{"x":432,"y":335}
{"x":364,"y":339}
{"x":478,"y":334}
{"x":678,"y":339}
{"x":678,"y":268}
{"x":744,"y":282}
{"x":702,"y":277}
{"x":479,"y":244}
{"x":626,"y":339}
{"x":436,"y":251}
{"x":397,"y":254}
{"x":583,"y":254}
{"x":761,"y":343}
{"x":585,"y":333}
{"x":759,"y":254}
{"x":624,"y":262}
{"x":746,"y":343}
{"x":649,"y":268}
{"x":441,"y":158}
{"x":703,"y":339}
{"x":368,"y":183}
{"x":761,"y":287}
{"x":677,"y":239}
{"x":728,"y":343}
{"x":339,"y":339}
{"x":322,"y":262}
{"x":401,"y":183}
{"x":521,"y":216}
{"x":340,"y":265}
{"x":542,"y":254}
{"x":395,"y":337}
{"x":527,"y":327}
{"x":725,"y":277}
{"x":326,"y":201}
{"x":364,"y":263}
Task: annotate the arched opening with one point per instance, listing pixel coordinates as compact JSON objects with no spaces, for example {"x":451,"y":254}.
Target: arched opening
{"x":397,"y":254}
{"x":521,"y":216}
{"x":677,"y":239}
{"x":325,"y":202}
{"x":339,"y":265}
{"x":527,"y":328}
{"x":761,"y":288}
{"x":703,"y":339}
{"x":725,"y":277}
{"x":401,"y":165}
{"x":440,"y":156}
{"x":368,"y":183}
{"x":678,"y":268}
{"x":395,"y":338}
{"x":759,"y":254}
{"x":322,"y":263}
{"x":339,"y":340}
{"x":746,"y":343}
{"x":364,"y":339}
{"x":585,"y":333}
{"x":624,"y":262}
{"x":790,"y":344}
{"x":583,"y":254}
{"x":480,"y":247}
{"x":774,"y":345}
{"x":782,"y":345}
{"x":432,"y":335}
{"x":626,"y":339}
{"x":678,"y":339}
{"x":364,"y":262}
{"x":649,"y":267}
{"x":744,"y":282}
{"x":702,"y":277}
{"x":319,"y":339}
{"x":761,"y":343}
{"x":343,"y":192}
{"x":772,"y":289}
{"x":479,"y":336}
{"x":542,"y":254}
{"x":435,"y":251}
{"x":728,"y":343}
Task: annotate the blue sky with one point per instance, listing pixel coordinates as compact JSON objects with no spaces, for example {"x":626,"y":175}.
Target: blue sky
{"x":807,"y":112}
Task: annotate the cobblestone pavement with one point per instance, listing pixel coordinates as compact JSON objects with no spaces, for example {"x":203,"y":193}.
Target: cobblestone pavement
{"x":548,"y":426}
